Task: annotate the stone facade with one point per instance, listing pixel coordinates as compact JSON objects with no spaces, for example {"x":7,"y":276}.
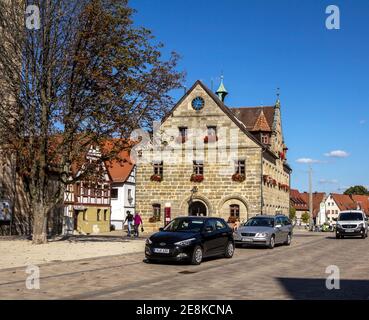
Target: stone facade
{"x":218,"y":191}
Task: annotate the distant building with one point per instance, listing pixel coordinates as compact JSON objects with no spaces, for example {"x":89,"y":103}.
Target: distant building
{"x":92,"y":206}
{"x":300,"y":201}
{"x":335,"y":203}
{"x":123,"y":191}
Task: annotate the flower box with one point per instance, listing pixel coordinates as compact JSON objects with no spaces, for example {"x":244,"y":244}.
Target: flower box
{"x":197,"y":178}
{"x":238,"y":177}
{"x":156,"y":177}
{"x":210,"y":139}
{"x":152,"y":219}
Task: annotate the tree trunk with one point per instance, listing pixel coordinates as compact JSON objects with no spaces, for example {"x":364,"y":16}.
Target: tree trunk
{"x":39,"y":224}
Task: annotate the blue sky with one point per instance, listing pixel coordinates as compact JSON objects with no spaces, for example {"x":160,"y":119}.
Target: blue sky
{"x":264,"y":44}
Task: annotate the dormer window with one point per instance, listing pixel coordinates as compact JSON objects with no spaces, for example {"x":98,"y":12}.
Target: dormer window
{"x":264,"y":138}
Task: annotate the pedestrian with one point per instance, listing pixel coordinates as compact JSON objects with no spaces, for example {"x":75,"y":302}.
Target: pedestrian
{"x":129,"y":220}
{"x":137,"y":222}
{"x":237,"y":224}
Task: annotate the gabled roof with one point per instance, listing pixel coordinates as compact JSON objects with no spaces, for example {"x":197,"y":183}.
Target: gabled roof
{"x":118,"y":169}
{"x":261,"y":123}
{"x":229,"y":112}
{"x":343,"y":201}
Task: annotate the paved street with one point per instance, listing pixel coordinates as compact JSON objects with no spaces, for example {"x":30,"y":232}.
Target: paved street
{"x":295,"y":272}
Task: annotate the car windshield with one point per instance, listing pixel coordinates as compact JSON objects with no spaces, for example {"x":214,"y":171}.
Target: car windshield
{"x":260,"y":222}
{"x":350,"y":216}
{"x":184,"y":225}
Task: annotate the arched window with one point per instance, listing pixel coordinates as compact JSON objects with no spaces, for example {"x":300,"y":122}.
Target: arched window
{"x":234,"y":210}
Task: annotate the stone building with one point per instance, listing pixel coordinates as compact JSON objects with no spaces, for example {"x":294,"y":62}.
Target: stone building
{"x":208,"y":159}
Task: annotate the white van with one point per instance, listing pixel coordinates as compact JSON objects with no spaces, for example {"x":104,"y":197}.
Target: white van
{"x":352,"y":223}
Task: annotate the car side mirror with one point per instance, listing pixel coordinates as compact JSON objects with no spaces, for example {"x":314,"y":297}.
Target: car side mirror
{"x":161,"y":229}
{"x":278,"y":226}
{"x":366,"y":218}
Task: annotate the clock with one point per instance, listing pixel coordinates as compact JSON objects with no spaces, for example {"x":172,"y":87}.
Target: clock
{"x":198,"y":103}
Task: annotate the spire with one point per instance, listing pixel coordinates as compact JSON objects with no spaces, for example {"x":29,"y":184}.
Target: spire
{"x":222,"y":91}
{"x":278,"y":102}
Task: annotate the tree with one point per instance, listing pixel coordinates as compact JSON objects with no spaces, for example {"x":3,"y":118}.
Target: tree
{"x":87,"y":76}
{"x":305,"y":217}
{"x":357,"y":190}
{"x":292,"y":214}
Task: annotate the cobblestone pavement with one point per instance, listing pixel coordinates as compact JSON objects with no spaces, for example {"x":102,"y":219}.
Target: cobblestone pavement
{"x":295,"y":272}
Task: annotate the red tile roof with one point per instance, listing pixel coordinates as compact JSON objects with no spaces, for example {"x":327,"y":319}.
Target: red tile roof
{"x":251,"y":116}
{"x":300,"y":201}
{"x":344,"y":202}
{"x":362,"y":203}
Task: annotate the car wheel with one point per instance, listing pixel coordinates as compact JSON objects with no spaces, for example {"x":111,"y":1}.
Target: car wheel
{"x":197,"y":256}
{"x":272,"y":242}
{"x":229,"y":250}
{"x":338,"y":236}
{"x":288,"y":240}
{"x":363,"y":236}
{"x":150,"y":260}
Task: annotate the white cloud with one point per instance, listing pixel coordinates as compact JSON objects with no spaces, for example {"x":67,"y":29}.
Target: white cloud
{"x":325,"y":181}
{"x":307,"y":160}
{"x":337,"y":154}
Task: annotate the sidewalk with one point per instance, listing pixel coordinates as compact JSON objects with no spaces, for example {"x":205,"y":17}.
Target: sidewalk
{"x":17,"y":252}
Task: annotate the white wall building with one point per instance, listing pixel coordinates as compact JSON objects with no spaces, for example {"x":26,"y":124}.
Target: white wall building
{"x":123,"y":198}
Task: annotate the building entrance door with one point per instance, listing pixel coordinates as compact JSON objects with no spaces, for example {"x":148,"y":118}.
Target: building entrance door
{"x":197,"y":208}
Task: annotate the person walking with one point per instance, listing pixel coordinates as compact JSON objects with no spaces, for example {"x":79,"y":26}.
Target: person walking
{"x":129,"y":220}
{"x":137,"y":222}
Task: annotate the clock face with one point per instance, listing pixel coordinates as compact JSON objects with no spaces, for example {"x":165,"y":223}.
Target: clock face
{"x":198,"y":103}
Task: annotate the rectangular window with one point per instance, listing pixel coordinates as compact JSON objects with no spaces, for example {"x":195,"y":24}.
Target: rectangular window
{"x":156,"y":208}
{"x":212,"y":131}
{"x":105,"y":214}
{"x":114,"y":193}
{"x":106,"y":191}
{"x":85,"y":190}
{"x":158,"y":168}
{"x":85,"y":215}
{"x":234,"y":210}
{"x":198,"y":167}
{"x":240,"y":167}
{"x":98,"y":215}
{"x":98,"y":191}
{"x":265,"y":138}
{"x":183,"y":132}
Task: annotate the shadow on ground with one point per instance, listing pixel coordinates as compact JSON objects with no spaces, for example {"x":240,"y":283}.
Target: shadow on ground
{"x":315,"y":289}
{"x":99,"y":238}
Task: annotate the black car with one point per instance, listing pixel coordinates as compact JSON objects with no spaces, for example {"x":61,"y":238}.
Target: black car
{"x":191,"y":239}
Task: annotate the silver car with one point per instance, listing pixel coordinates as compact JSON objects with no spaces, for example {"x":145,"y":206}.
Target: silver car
{"x":265,"y":230}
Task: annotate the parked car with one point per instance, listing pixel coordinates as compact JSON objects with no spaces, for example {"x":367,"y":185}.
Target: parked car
{"x":352,"y":223}
{"x":266,"y":231}
{"x":191,"y":239}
